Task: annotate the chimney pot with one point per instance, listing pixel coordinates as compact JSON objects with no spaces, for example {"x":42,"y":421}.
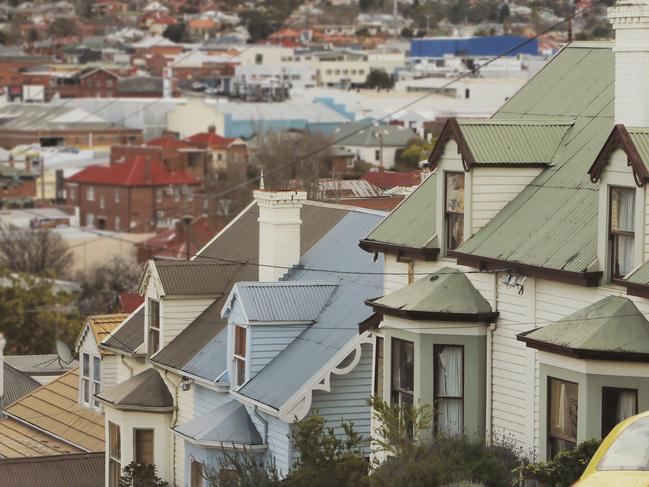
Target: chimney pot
{"x":211,"y":129}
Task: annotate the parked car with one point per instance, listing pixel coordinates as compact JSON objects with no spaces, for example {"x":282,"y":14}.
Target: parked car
{"x":623,"y":457}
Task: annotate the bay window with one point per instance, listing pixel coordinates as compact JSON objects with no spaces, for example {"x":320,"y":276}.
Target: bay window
{"x":621,"y":231}
{"x":240,"y":337}
{"x":453,"y":209}
{"x":562,"y":415}
{"x":403,"y":372}
{"x":449,"y":389}
{"x":617,"y":405}
{"x":114,"y":455}
{"x":154,"y":326}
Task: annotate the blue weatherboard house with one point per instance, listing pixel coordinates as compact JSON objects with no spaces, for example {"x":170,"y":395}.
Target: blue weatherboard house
{"x":472,"y":46}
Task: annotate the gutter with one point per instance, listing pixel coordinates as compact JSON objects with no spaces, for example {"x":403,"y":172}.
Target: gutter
{"x":224,"y":387}
{"x":490,"y":346}
{"x":251,"y":402}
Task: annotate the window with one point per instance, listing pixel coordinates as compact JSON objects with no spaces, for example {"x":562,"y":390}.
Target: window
{"x":350,"y":162}
{"x":177,"y":193}
{"x":85,"y":378}
{"x":117,"y":195}
{"x":449,"y":389}
{"x":454,"y":209}
{"x":617,"y":405}
{"x":90,"y":193}
{"x":377,"y":155}
{"x":102,"y":201}
{"x":196,"y":474}
{"x":378,"y":368}
{"x":562,"y":415}
{"x":467,"y":93}
{"x":90,"y":220}
{"x":259,"y":58}
{"x":158,"y":195}
{"x":154,"y":326}
{"x":143,"y":445}
{"x":403,"y":371}
{"x":96,"y":378}
{"x":621,"y":231}
{"x":240,"y":336}
{"x":629,"y":450}
{"x":118,"y":223}
{"x":114,"y":455}
{"x":73,"y":193}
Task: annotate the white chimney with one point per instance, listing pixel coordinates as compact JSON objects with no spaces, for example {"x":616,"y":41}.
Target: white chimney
{"x":630,"y":20}
{"x":3,"y":342}
{"x":279,"y":232}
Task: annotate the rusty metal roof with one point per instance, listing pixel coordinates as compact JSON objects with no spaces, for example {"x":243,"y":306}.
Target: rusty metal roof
{"x":19,"y":440}
{"x":82,"y":470}
{"x":185,"y":278}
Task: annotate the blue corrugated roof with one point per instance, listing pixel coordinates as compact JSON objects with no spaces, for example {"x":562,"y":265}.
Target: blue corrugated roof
{"x":212,"y":360}
{"x":472,"y":46}
{"x":338,"y":322}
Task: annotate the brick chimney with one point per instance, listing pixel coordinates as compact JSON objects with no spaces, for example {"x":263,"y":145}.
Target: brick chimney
{"x":211,"y":129}
{"x":279,"y":232}
{"x":630,"y":20}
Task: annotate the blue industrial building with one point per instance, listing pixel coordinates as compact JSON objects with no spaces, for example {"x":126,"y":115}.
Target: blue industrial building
{"x":473,"y":46}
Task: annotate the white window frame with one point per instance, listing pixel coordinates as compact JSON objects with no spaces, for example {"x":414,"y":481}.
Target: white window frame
{"x":158,"y":195}
{"x":90,"y":380}
{"x":90,"y":193}
{"x":237,"y":359}
{"x":154,"y":328}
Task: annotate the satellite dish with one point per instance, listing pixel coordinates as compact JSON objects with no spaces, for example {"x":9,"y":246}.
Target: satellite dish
{"x":64,"y":353}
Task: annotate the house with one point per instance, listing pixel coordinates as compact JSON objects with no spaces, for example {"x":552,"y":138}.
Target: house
{"x":226,"y":152}
{"x":16,"y":183}
{"x":138,"y":194}
{"x":43,"y":369}
{"x":517,"y":287}
{"x":182,"y":372}
{"x":376,"y":144}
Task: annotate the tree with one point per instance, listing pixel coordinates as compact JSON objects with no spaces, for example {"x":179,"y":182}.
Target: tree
{"x":34,"y":251}
{"x":503,"y":13}
{"x":378,"y":78}
{"x":63,"y":27}
{"x":407,"y":33}
{"x":416,"y":151}
{"x":33,"y":35}
{"x":258,"y":25}
{"x":176,"y":32}
{"x":101,"y":286}
{"x":33,"y":315}
{"x":138,"y":475}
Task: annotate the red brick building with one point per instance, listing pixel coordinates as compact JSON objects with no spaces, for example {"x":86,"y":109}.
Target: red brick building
{"x":135,"y":195}
{"x":16,"y":184}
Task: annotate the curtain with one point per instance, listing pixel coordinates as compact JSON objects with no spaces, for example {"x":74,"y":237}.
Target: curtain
{"x":625,"y":252}
{"x":626,"y":405}
{"x":449,"y":390}
{"x":626,"y":211}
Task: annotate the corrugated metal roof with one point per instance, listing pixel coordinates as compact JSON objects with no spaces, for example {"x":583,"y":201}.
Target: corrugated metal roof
{"x":553,"y":222}
{"x":613,"y":324}
{"x":55,"y":408}
{"x":211,"y":361}
{"x":640,"y":275}
{"x":32,"y":117}
{"x":513,"y":141}
{"x":16,"y":385}
{"x":79,"y":470}
{"x":640,"y":138}
{"x":130,"y":334}
{"x":284,"y":301}
{"x":412,"y":223}
{"x":331,"y":189}
{"x":446,"y":291}
{"x":143,"y":390}
{"x":358,"y":134}
{"x":47,"y":364}
{"x":18,"y":440}
{"x":338,"y":322}
{"x":183,"y":278}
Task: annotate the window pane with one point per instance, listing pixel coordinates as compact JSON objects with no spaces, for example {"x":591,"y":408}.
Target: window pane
{"x":85,"y":365}
{"x":563,"y":402}
{"x":114,"y":441}
{"x":617,"y":405}
{"x":378,"y":368}
{"x":450,"y":417}
{"x":450,"y":375}
{"x":455,"y":230}
{"x":403,"y":365}
{"x":114,"y":473}
{"x":96,"y":373}
{"x":622,"y":209}
{"x":240,"y":341}
{"x":240,"y":371}
{"x":455,"y":192}
{"x":85,"y":383}
{"x":623,"y":254}
{"x":144,"y":447}
{"x":97,"y":391}
{"x":630,"y":451}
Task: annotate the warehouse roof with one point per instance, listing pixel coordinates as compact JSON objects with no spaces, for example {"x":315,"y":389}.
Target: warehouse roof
{"x":33,"y":117}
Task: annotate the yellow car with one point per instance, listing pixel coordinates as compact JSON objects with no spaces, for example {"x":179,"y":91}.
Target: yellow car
{"x":622,"y":460}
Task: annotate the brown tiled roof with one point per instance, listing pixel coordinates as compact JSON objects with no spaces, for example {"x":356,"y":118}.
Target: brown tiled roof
{"x":81,"y":470}
{"x":19,"y":440}
{"x":55,"y":408}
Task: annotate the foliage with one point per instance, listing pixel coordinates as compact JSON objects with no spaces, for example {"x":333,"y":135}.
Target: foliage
{"x":503,"y":13}
{"x":101,"y":286}
{"x":33,"y":315}
{"x":397,"y":425}
{"x":565,"y":468}
{"x":138,"y":475}
{"x":450,"y":461}
{"x":34,"y":251}
{"x":241,"y":469}
{"x":407,"y":33}
{"x":378,"y":78}
{"x":324,"y":458}
{"x":416,"y":150}
{"x":176,"y":32}
{"x":64,"y":27}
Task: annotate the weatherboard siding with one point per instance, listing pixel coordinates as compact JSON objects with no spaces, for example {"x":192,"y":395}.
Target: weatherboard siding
{"x":109,"y":365}
{"x":266,"y":343}
{"x":177,"y":314}
{"x":347,"y":401}
{"x":494,"y":187}
{"x":279,"y":443}
{"x":185,"y":414}
{"x":206,"y":400}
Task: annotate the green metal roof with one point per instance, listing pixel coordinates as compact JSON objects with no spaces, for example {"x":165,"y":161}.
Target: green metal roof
{"x":613,"y":324}
{"x":552,"y":223}
{"x":640,"y":138}
{"x":412,"y":223}
{"x":359,"y":134}
{"x":447,"y":291}
{"x":513,"y":141}
{"x":640,"y":275}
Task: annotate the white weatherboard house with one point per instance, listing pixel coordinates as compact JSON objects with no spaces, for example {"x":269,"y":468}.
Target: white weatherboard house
{"x":517,"y":274}
{"x":203,"y":368}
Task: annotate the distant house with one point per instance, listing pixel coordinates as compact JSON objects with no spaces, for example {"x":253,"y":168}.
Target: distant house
{"x":16,"y":184}
{"x":377,"y":145}
{"x":226,"y":152}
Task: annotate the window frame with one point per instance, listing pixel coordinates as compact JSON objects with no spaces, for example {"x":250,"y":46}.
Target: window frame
{"x":396,"y":392}
{"x":606,"y":389}
{"x":437,"y":348}
{"x":86,"y":379}
{"x":551,"y":453}
{"x":448,"y":214}
{"x":135,"y":444}
{"x":153,"y":330}
{"x":117,"y":195}
{"x":614,"y":234}
{"x":239,"y":360}
{"x":90,"y":193}
{"x":379,"y":365}
{"x":114,"y":460}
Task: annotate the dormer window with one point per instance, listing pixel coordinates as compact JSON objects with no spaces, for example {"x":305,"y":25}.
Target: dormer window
{"x":621,"y":231}
{"x":454,"y":209}
{"x":154,"y":326}
{"x":240,"y":337}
